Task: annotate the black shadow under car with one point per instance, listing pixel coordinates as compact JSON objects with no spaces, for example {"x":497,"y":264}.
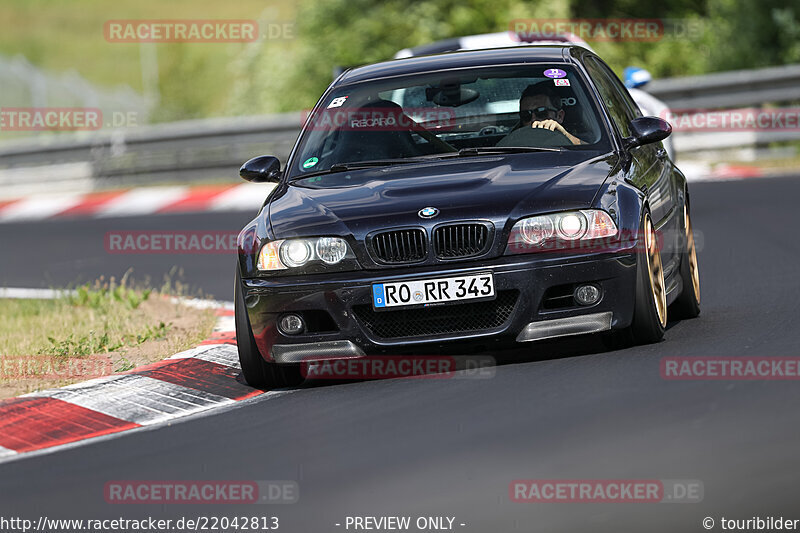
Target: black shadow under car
{"x":484,"y":197}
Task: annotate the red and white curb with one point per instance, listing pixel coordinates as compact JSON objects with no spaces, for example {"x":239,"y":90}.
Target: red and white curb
{"x":243,"y":197}
{"x":704,"y":172}
{"x":135,"y":202}
{"x":190,"y":382}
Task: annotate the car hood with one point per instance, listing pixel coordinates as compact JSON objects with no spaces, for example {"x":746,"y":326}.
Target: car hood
{"x":497,"y":188}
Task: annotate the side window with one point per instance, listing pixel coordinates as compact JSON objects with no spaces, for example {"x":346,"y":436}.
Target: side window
{"x":616,"y":98}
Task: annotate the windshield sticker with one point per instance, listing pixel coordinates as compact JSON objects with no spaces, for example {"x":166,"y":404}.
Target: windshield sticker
{"x":562,"y":83}
{"x":310,"y":162}
{"x":337,"y":102}
{"x":555,"y":73}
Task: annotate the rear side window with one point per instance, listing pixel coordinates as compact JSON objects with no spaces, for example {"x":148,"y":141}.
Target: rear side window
{"x":615,"y":96}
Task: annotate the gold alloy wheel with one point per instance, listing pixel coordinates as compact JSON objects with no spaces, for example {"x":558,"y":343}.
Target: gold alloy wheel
{"x":655,"y":271}
{"x":692,"y":252}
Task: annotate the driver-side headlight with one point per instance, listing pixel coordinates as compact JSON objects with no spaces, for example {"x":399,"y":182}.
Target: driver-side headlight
{"x":295,"y":253}
{"x":331,"y":250}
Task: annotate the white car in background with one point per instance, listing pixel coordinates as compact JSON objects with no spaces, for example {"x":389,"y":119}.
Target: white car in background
{"x":635,"y":78}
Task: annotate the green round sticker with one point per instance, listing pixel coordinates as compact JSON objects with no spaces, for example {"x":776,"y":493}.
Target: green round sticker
{"x":310,"y":162}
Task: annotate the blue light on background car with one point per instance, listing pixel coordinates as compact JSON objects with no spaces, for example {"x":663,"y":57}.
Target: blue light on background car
{"x":636,"y":77}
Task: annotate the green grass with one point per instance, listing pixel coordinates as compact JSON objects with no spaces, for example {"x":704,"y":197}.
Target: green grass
{"x":128,"y":326}
{"x":101,"y":295}
{"x":98,"y":318}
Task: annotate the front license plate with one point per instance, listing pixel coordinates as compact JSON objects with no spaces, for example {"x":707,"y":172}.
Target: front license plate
{"x":433,"y":291}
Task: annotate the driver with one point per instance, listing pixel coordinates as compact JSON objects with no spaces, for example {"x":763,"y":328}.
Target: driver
{"x":540,"y":107}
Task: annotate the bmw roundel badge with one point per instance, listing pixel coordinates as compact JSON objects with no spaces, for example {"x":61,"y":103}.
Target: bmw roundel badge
{"x":428,"y":212}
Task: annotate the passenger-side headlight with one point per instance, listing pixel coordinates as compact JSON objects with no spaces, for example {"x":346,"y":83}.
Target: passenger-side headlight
{"x":296,"y":253}
{"x":535,"y":233}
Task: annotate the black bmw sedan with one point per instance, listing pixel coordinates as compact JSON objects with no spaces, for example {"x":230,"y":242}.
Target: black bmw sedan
{"x":489,"y":197}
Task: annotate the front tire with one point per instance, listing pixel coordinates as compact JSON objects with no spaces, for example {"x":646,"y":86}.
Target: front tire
{"x":650,"y":302}
{"x":256,"y":371}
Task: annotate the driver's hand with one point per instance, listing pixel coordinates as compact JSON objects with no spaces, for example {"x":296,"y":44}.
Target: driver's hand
{"x":549,"y":124}
{"x":552,"y":125}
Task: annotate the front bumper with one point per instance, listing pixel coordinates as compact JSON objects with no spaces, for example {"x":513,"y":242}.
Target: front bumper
{"x":524,"y":283}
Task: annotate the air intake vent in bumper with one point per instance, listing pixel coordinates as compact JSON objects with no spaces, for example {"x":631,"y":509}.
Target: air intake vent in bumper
{"x":442,"y":320}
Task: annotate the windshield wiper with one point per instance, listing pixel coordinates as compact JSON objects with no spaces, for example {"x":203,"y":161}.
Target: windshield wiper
{"x":480,"y":150}
{"x":356,"y":165}
{"x":464,"y":152}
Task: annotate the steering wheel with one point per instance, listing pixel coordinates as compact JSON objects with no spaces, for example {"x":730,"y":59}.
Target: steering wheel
{"x":535,"y":137}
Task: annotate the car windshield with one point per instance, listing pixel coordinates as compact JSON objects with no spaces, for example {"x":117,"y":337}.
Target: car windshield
{"x":448,"y":114}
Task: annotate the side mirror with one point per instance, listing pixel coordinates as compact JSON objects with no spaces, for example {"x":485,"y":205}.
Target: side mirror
{"x":261,"y":169}
{"x":647,"y":130}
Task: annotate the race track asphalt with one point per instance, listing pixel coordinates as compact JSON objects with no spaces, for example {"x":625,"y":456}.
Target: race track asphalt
{"x":451,"y":447}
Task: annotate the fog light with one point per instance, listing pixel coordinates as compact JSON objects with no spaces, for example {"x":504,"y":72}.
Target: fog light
{"x":291,"y":324}
{"x":587,"y":294}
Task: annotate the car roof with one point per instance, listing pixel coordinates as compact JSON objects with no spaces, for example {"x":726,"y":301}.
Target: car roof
{"x":462,"y":59}
{"x":481,"y":41}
